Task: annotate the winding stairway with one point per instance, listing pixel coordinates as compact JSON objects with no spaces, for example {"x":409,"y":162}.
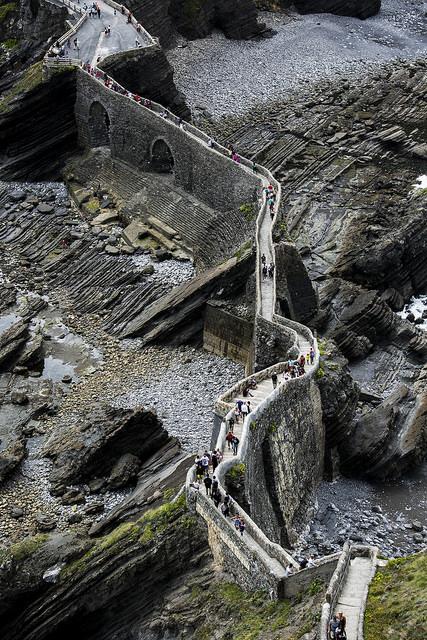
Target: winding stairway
{"x":264,"y":561}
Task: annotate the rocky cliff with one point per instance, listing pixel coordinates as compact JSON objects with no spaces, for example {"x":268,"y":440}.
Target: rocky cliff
{"x":196,"y":18}
{"x":35,"y":136}
{"x":357,"y":8}
{"x":148,"y":73}
{"x":107,"y":588}
{"x":25,"y":28}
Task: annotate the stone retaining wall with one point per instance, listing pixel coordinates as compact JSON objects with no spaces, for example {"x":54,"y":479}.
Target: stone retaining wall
{"x":227,"y":335}
{"x":284,"y":458}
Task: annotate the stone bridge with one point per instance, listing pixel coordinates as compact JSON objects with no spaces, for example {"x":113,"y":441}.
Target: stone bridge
{"x":142,"y":138}
{"x":282,"y":439}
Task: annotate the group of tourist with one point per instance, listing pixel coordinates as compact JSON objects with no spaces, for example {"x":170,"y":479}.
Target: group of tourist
{"x":267,"y":270}
{"x":337,"y":626}
{"x":92,"y":11}
{"x":202,"y":467}
{"x":270,"y":196}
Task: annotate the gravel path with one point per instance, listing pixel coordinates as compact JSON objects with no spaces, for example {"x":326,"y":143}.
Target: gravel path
{"x":229,"y":77}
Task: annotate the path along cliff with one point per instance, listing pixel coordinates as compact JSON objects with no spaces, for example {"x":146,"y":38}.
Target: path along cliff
{"x":253,"y":559}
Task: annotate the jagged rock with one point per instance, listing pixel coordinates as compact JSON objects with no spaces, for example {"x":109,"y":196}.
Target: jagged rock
{"x":75,"y":518}
{"x":112,"y":251}
{"x":45,"y":207}
{"x":93,"y":447}
{"x":19,"y":397}
{"x":45,"y":522}
{"x":357,"y":8}
{"x":391,"y":438}
{"x":148,"y":270}
{"x":124,"y":471}
{"x":339,"y":395}
{"x":94,"y":508}
{"x":416,"y":525}
{"x":12,"y":340}
{"x":73,"y":496}
{"x":36,"y":138}
{"x":148,"y":73}
{"x":16,"y":513}
{"x":32,"y":354}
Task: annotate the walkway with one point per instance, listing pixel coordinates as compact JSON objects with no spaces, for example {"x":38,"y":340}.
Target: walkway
{"x":93,"y":44}
{"x":267,"y":288}
{"x":352,"y":596}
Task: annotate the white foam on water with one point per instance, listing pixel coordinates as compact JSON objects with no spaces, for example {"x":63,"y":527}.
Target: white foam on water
{"x":416,"y":305}
{"x":421,"y":183}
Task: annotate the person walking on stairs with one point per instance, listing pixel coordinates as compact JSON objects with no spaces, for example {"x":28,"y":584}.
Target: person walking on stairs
{"x":229,"y":438}
{"x":208,"y":485}
{"x":274,"y":380}
{"x":235,"y":444}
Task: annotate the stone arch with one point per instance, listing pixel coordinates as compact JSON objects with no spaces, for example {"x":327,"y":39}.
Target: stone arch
{"x":161,"y":157}
{"x":99,"y":125}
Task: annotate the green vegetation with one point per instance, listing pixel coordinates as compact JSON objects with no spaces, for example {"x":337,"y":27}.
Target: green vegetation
{"x":142,"y":532}
{"x":247,"y":208}
{"x":315,"y":587}
{"x":253,"y":616}
{"x":397,"y":600}
{"x":252,"y":613}
{"x":10,"y":43}
{"x":28,"y":81}
{"x":421,"y":193}
{"x":22,"y":550}
{"x":243,"y":249}
{"x":237,"y":472}
{"x":6,"y":10}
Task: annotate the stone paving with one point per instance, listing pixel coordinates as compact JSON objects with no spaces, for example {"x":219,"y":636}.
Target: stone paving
{"x":94,"y":44}
{"x":351,"y":599}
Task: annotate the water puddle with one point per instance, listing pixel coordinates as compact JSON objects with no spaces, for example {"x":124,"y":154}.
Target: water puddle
{"x":55,"y":369}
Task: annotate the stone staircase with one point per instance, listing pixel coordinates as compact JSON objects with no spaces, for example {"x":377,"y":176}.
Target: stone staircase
{"x":173,"y":217}
{"x":351,"y":598}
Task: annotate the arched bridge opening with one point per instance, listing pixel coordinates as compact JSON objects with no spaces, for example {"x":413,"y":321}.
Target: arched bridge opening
{"x":161,"y":160}
{"x":99,"y":125}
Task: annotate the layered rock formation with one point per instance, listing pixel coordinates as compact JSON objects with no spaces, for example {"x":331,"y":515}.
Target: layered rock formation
{"x":93,"y":448}
{"x":357,"y":8}
{"x":100,"y":588}
{"x":25,"y":28}
{"x":348,"y":174}
{"x":196,"y":18}
{"x":35,"y":138}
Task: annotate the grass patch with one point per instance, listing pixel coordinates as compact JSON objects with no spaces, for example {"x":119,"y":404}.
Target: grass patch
{"x":10,"y":43}
{"x":22,"y":550}
{"x":397,"y":600}
{"x":143,"y":531}
{"x":237,"y":472}
{"x":254,"y":613}
{"x":29,"y":80}
{"x":247,"y":208}
{"x":243,"y":249}
{"x":6,"y":10}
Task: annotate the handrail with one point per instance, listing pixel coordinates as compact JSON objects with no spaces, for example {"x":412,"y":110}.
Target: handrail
{"x":274,"y":550}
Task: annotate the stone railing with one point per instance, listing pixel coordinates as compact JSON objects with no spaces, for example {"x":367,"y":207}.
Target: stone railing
{"x":261,"y":564}
{"x":337,"y":582}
